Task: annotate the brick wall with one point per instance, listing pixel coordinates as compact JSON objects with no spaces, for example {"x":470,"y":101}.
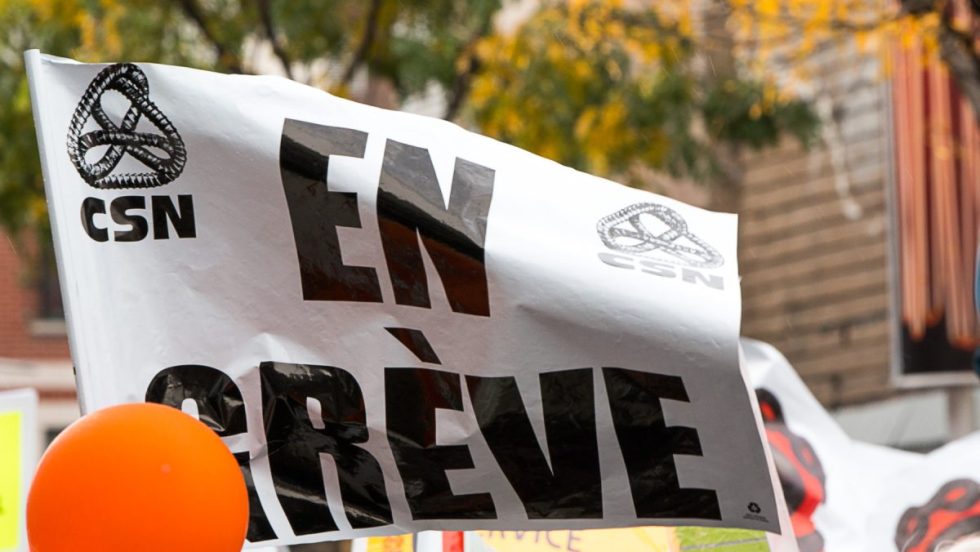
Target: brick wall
{"x":813,"y":243}
{"x":20,"y":336}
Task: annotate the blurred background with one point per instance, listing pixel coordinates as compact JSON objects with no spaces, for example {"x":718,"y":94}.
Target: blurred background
{"x":843,"y":132}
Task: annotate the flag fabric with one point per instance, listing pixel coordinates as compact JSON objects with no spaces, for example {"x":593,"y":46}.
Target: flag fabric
{"x":849,"y":496}
{"x":843,"y":495}
{"x":395,"y":324}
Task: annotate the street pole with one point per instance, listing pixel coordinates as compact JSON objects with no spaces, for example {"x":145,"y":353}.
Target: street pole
{"x":961,"y":411}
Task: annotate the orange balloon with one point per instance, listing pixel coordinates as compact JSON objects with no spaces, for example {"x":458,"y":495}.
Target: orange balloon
{"x":137,"y":477}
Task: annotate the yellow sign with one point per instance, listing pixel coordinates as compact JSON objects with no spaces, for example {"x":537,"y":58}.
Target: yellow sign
{"x":636,"y":539}
{"x":396,"y":543}
{"x":646,"y":539}
{"x":10,"y":474}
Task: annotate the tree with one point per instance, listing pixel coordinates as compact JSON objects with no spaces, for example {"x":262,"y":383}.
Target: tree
{"x":790,"y":30}
{"x":605,"y":88}
{"x":591,"y":83}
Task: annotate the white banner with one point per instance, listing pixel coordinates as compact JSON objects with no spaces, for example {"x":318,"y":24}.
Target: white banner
{"x":18,"y":458}
{"x":848,"y":496}
{"x":394,"y":323}
{"x":931,"y":503}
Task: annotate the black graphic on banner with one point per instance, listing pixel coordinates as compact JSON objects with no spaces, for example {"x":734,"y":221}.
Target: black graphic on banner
{"x":649,"y":445}
{"x":410,"y":209}
{"x":412,"y":396}
{"x":220,"y":406}
{"x":571,"y":488}
{"x":800,"y":472}
{"x":130,"y":213}
{"x":626,"y":231}
{"x":123,"y":138}
{"x":296,"y":441}
{"x":165,"y":214}
{"x":316,"y":212}
{"x":415,"y":341}
{"x":310,"y":411}
{"x":92,"y":206}
{"x":951,"y":514}
{"x":120,"y":209}
{"x":410,"y":206}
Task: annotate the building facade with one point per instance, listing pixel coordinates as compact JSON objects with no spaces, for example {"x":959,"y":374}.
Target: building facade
{"x":858,"y":255}
{"x":33,"y":342}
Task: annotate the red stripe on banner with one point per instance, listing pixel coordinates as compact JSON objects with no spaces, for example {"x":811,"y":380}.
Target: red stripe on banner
{"x":452,"y":541}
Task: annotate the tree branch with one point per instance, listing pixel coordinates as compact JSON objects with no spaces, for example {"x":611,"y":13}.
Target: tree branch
{"x":461,"y":88}
{"x":265,"y":16}
{"x":367,"y":40}
{"x":464,"y":79}
{"x":225,"y":57}
{"x":956,"y":48}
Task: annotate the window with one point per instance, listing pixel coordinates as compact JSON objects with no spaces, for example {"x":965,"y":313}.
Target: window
{"x":937,"y":212}
{"x":49,"y":305}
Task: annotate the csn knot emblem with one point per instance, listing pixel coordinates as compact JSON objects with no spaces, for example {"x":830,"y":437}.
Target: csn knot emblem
{"x":123,"y":138}
{"x":628,"y":230}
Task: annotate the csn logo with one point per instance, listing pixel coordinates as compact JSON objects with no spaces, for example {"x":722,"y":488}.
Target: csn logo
{"x":101,"y":148}
{"x":655,"y":240}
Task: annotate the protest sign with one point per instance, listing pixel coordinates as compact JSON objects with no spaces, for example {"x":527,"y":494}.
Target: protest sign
{"x":636,"y":539}
{"x":18,"y":457}
{"x":848,"y":496}
{"x":931,"y":503}
{"x":395,"y":324}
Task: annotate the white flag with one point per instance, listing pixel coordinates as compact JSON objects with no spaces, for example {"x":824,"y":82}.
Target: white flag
{"x":395,"y":324}
{"x":849,"y":496}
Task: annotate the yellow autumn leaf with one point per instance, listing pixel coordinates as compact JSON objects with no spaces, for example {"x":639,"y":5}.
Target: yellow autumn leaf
{"x":583,"y":125}
{"x":486,"y":48}
{"x":767,"y":8}
{"x":482,"y":91}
